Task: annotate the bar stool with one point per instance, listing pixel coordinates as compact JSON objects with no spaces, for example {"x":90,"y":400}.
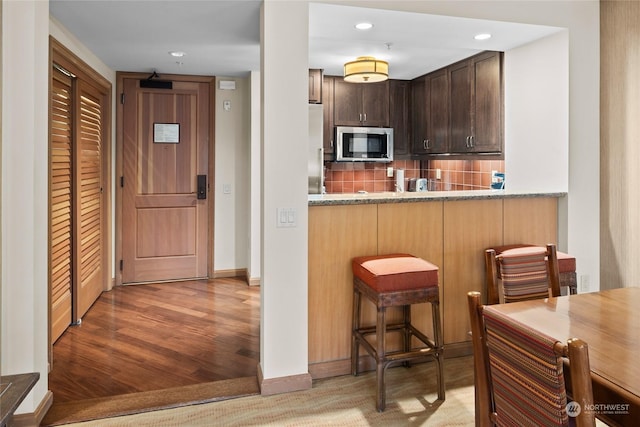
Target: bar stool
{"x":388,"y":281}
{"x":566,"y":266}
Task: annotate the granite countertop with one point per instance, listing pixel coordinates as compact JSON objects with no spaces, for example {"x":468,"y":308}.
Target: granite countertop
{"x":407,"y":197}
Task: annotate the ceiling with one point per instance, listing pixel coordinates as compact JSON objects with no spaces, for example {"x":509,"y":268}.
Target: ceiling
{"x":222,"y":38}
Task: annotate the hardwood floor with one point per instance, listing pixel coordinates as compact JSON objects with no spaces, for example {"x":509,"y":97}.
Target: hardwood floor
{"x":158,"y":336}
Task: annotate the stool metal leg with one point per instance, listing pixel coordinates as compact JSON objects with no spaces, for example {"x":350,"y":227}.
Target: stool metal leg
{"x":439,"y":342}
{"x":355,"y":325}
{"x":381,"y":333}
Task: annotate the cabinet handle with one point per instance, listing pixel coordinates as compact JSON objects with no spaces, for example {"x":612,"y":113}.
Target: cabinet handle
{"x":428,"y":144}
{"x":360,"y":116}
{"x":365,"y":117}
{"x":466,"y":143}
{"x":424,"y":144}
{"x":471,"y":141}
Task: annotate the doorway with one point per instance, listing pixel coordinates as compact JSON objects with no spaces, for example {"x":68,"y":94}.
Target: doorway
{"x":164,"y":169}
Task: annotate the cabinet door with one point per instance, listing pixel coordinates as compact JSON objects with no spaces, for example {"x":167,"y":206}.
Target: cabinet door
{"x":315,"y":86}
{"x":437,"y":90}
{"x":399,"y":116}
{"x":460,"y":98}
{"x":487,"y":126}
{"x":375,"y":104}
{"x":347,"y":99}
{"x":418,"y":116}
{"x":328,"y":133}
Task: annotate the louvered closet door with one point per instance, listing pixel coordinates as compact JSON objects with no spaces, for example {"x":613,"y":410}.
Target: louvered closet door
{"x":89,"y":211}
{"x":60,"y":203}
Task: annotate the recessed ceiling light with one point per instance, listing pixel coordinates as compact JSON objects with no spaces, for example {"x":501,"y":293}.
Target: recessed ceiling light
{"x":177,"y":53}
{"x":364,"y":26}
{"x":483,"y":36}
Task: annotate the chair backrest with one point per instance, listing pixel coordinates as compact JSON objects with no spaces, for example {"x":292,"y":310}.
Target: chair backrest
{"x":522,"y":274}
{"x":519,"y":372}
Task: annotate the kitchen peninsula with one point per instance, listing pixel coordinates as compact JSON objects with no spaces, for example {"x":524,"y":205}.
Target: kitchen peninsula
{"x":449,"y":229}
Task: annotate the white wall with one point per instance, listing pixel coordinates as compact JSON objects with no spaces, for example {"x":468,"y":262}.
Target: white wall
{"x":537,"y":115}
{"x":285,"y":80}
{"x":232,"y":234}
{"x":25,"y":71}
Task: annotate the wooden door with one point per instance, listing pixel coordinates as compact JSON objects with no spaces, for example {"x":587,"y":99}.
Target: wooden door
{"x":165,"y":148}
{"x":60,"y":199}
{"x":88,"y":190}
{"x":79,"y":129}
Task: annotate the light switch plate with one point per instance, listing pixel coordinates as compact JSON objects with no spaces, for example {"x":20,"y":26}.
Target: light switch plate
{"x":286,"y":217}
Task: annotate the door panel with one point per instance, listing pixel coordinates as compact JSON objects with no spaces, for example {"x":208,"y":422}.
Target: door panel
{"x":61,"y":136}
{"x":89,"y":206}
{"x":164,"y":224}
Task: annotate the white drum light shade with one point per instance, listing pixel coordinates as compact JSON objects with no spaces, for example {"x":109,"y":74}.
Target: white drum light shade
{"x":366,"y":69}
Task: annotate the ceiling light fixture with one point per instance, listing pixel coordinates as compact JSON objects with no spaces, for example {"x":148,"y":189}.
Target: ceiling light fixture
{"x":364,"y":26}
{"x":177,"y":53}
{"x":366,"y":69}
{"x":483,"y":36}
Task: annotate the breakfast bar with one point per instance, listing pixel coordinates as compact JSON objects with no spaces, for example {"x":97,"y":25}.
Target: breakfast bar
{"x":451,"y":229}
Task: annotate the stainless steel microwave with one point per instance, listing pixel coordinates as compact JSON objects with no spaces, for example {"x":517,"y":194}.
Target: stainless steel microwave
{"x":364,"y":144}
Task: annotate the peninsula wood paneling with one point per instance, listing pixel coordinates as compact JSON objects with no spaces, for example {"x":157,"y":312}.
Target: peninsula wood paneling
{"x":531,"y":220}
{"x":470,"y":226}
{"x":619,"y":148}
{"x":416,"y":229}
{"x":336,"y":235}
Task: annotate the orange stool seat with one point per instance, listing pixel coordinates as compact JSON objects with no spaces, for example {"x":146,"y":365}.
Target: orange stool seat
{"x":566,"y":264}
{"x":396,"y":272}
{"x":395,"y":280}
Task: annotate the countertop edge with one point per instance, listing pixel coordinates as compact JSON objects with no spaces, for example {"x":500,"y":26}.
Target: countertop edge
{"x":430,"y":196}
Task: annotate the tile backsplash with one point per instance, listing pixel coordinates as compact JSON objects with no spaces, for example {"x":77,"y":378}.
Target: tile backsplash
{"x":351,"y":177}
{"x":462,"y":174}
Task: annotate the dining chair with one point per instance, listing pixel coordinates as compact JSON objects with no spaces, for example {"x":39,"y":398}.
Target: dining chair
{"x":522,"y":274}
{"x":519,"y":373}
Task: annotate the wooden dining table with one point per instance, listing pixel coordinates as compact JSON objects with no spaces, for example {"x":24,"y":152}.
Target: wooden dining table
{"x":609,"y":322}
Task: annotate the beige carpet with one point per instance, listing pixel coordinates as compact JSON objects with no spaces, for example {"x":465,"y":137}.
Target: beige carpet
{"x":340,"y":401}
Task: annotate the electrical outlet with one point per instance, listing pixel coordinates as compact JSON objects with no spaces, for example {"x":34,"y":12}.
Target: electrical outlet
{"x":584,"y":283}
{"x":438,"y":174}
{"x":389,"y":172}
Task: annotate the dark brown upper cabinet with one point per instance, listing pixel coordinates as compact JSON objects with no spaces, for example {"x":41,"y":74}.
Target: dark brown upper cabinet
{"x":315,"y":86}
{"x":399,"y":97}
{"x":328,"y":134}
{"x":361,"y":104}
{"x":430,"y":113}
{"x":476,"y":104}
